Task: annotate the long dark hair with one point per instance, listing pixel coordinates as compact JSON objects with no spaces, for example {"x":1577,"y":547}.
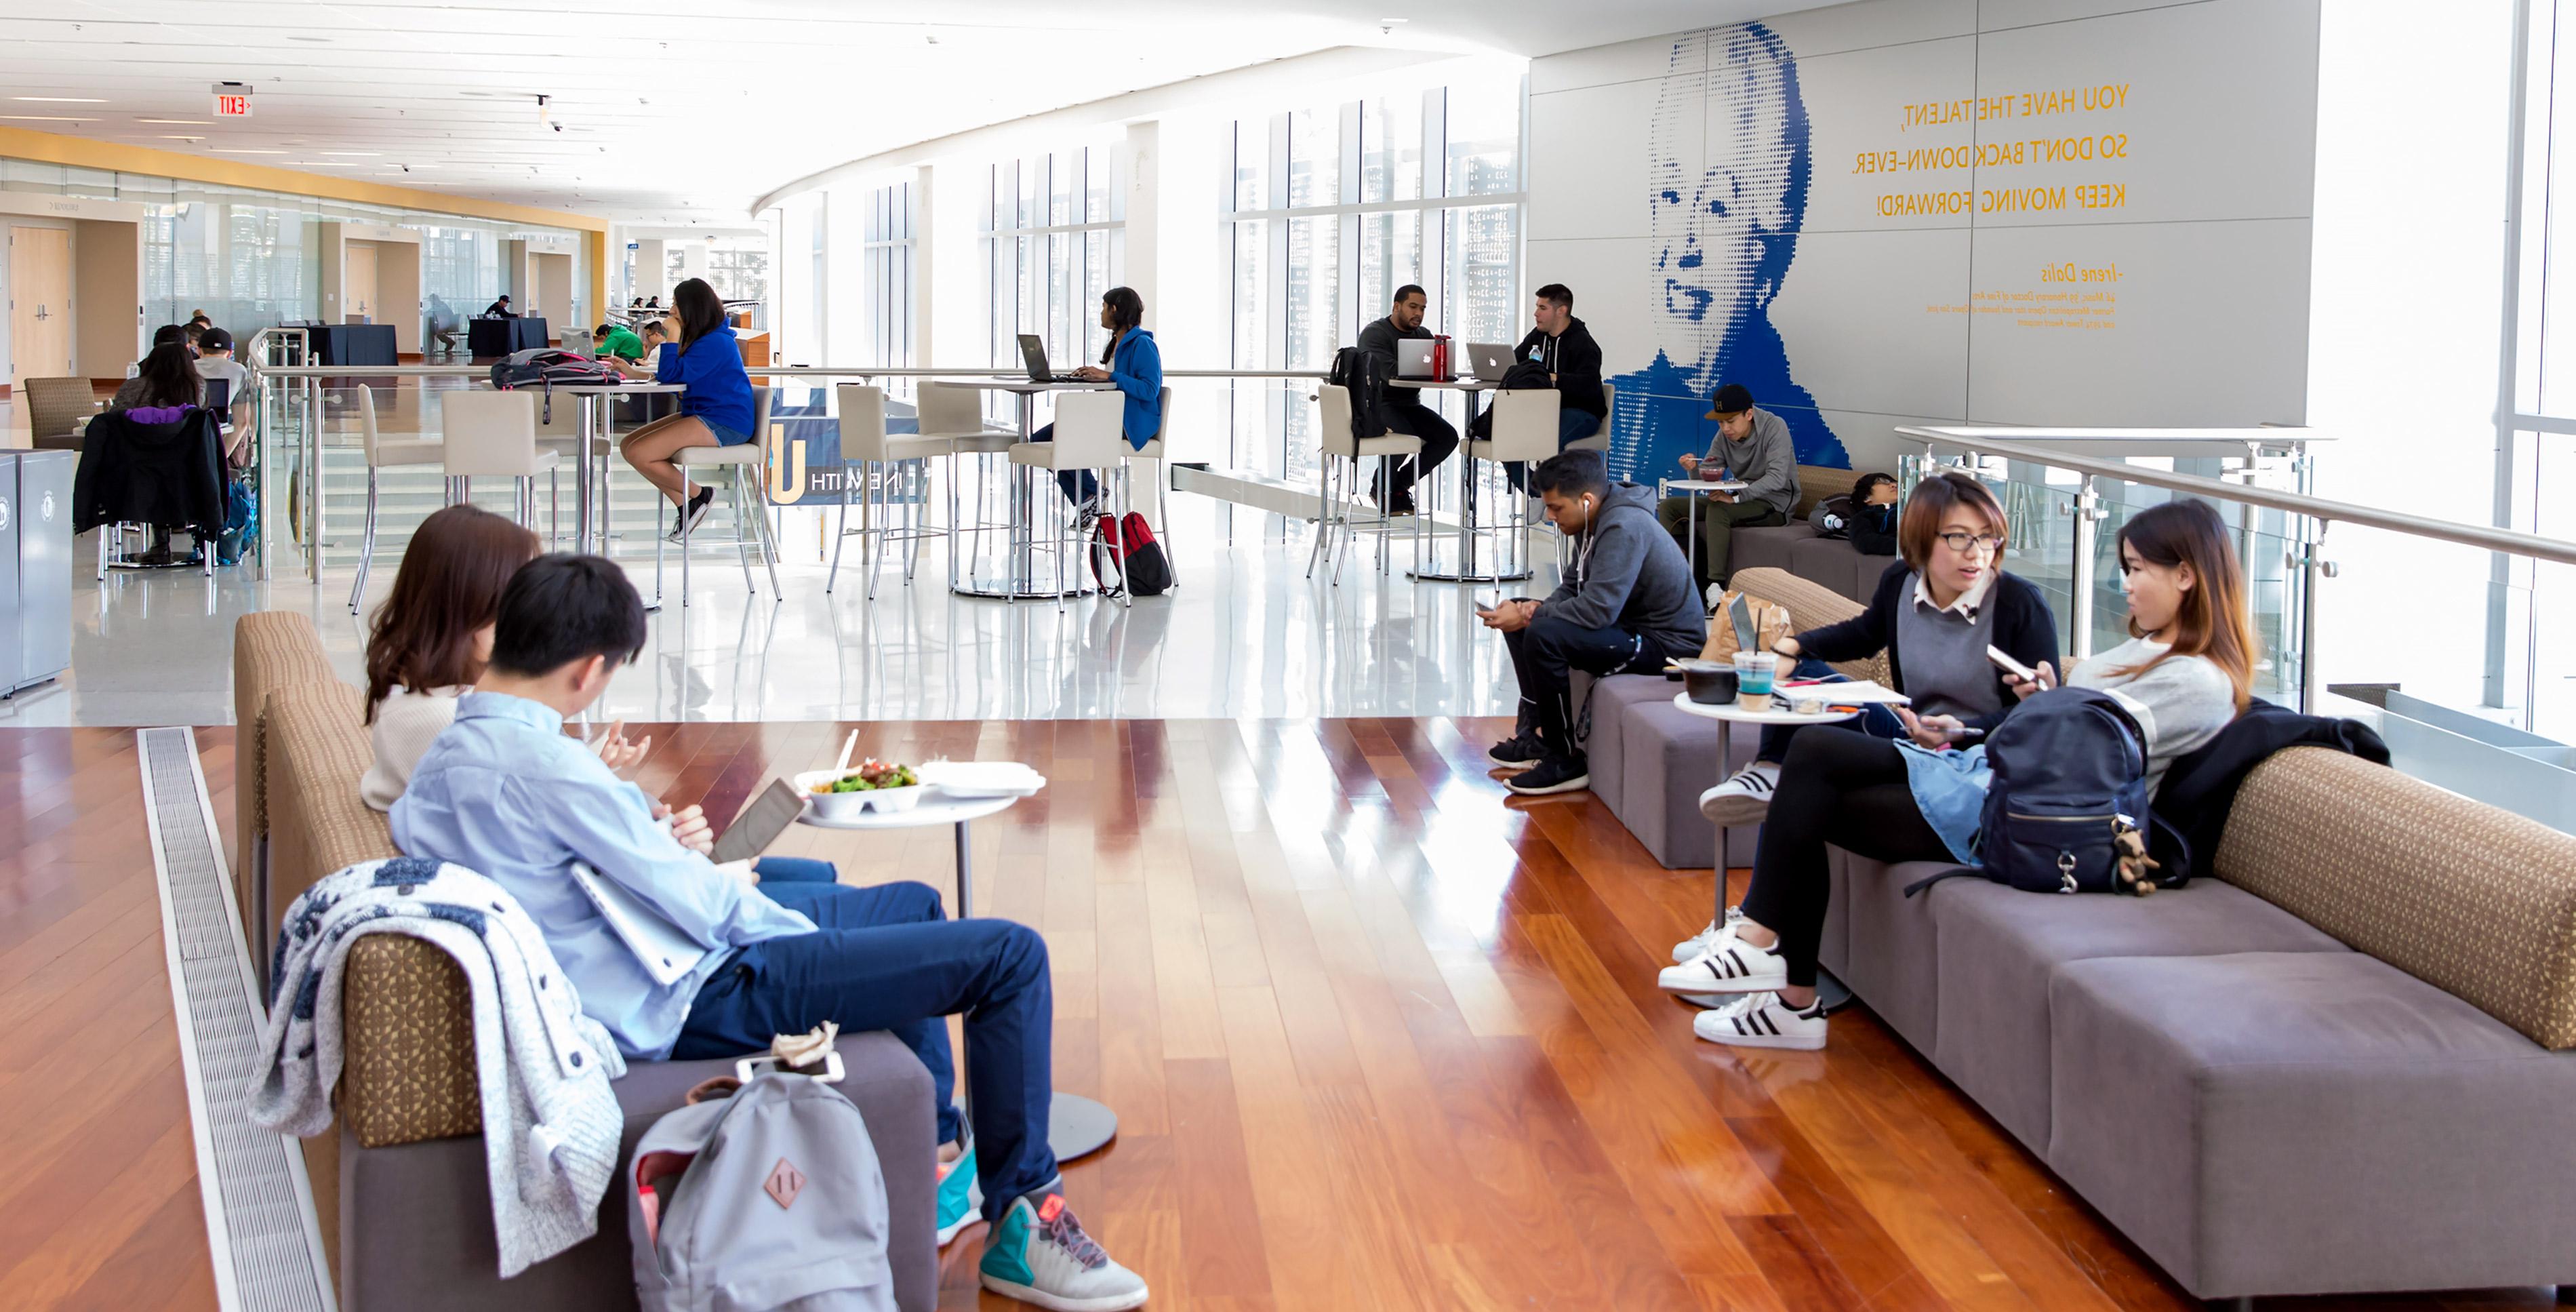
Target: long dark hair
{"x":449,"y":585}
{"x":170,"y":376}
{"x":1126,"y":310}
{"x":2212,"y":620}
{"x":701,"y":311}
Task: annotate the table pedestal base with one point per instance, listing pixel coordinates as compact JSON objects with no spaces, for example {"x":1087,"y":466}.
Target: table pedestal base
{"x":1080,"y":1127}
{"x":1831,"y":991}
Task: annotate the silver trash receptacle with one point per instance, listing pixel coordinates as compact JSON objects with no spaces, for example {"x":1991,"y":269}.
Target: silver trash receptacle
{"x":10,"y":622}
{"x":44,"y":566}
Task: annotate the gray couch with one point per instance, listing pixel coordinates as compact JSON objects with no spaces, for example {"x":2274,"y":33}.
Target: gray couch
{"x":1794,"y":548}
{"x":2337,"y":1066}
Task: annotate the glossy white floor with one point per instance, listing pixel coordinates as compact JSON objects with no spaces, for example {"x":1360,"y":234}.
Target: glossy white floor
{"x":1245,"y":635}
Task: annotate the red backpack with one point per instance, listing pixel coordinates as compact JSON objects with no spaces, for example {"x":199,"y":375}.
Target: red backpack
{"x":1147,"y":572}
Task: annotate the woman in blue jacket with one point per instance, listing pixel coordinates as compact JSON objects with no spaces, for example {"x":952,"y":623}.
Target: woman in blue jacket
{"x":1135,"y":364}
{"x":716,"y":410}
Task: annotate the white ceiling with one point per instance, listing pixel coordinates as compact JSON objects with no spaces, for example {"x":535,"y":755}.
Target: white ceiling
{"x":668,"y":117}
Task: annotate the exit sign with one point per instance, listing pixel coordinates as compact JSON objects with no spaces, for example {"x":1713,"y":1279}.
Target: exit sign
{"x":232,"y":104}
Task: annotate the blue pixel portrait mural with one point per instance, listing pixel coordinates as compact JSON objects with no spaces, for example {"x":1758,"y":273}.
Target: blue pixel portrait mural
{"x":1724,"y":230}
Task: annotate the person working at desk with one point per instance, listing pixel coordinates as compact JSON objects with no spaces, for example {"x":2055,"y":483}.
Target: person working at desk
{"x":500,"y":309}
{"x":716,"y":410}
{"x":1752,"y":444}
{"x":616,"y":339}
{"x":1562,"y":345}
{"x":1135,"y":364}
{"x":1400,"y":410}
{"x":215,"y":363}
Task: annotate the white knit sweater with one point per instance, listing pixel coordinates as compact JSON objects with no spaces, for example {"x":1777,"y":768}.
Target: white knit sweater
{"x":406,"y":724}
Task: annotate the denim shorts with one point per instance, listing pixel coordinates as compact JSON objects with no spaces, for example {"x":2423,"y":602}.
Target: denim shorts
{"x":725,"y":436}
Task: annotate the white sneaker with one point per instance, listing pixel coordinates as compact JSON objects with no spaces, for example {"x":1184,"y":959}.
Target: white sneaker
{"x":1762,"y":1020}
{"x":1730,"y":965}
{"x":1744,"y":799}
{"x":1701,"y":941}
{"x":1039,"y":1255}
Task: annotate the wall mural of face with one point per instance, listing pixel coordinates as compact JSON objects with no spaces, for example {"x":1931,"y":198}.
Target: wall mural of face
{"x":1728,"y":174}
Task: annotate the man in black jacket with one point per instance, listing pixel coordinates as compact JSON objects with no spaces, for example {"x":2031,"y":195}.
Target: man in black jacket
{"x":1400,"y":410}
{"x":1564,"y":347}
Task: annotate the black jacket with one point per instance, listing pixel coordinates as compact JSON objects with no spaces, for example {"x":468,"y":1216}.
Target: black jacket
{"x":1575,"y":359}
{"x":1378,"y":340}
{"x":1873,"y":530}
{"x":168,"y":475}
{"x":2022,"y":627}
{"x":2199,"y":789}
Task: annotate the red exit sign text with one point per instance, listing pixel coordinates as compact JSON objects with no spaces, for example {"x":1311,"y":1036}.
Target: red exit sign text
{"x":232,"y":105}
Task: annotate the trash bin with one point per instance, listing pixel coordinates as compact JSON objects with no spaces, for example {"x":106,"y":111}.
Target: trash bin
{"x":9,"y":620}
{"x":43,"y":574}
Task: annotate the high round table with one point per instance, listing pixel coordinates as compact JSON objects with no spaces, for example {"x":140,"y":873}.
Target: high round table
{"x":1077,"y":1126}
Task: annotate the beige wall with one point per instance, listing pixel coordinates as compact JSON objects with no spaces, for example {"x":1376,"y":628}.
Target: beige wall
{"x":107,"y":291}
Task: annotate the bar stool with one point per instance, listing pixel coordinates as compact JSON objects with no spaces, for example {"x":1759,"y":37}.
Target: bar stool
{"x":738,"y":462}
{"x":1524,"y":429}
{"x":1153,"y":451}
{"x":1339,"y":453}
{"x":866,"y":448}
{"x":1087,"y":436}
{"x":496,"y":433}
{"x":955,"y":415}
{"x":381,"y":454}
{"x":1600,"y":439}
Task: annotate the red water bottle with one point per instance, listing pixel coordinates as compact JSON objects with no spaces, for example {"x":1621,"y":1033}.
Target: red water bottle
{"x":1440,"y":356}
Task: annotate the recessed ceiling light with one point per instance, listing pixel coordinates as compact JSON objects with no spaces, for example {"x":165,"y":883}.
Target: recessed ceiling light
{"x":62,"y":100}
{"x":189,"y":122}
{"x":353,"y":152}
{"x":236,"y":150}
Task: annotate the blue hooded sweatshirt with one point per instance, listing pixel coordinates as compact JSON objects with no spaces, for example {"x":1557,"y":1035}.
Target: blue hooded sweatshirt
{"x":1137,"y":368}
{"x":719,"y":391}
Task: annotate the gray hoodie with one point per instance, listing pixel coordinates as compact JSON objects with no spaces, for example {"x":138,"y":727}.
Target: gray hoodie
{"x":1766,"y":458}
{"x":1627,"y":574}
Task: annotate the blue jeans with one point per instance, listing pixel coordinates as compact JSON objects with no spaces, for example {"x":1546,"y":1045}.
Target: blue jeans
{"x":1571,"y":426}
{"x":1876,"y":721}
{"x":888,"y":958}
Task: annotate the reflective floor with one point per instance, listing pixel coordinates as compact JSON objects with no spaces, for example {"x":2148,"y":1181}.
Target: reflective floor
{"x":1246,"y":635}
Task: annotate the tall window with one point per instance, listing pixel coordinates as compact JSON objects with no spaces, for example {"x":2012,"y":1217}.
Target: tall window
{"x":1334,"y":207}
{"x":887,"y":252}
{"x":2532,"y":607}
{"x":1055,"y":240}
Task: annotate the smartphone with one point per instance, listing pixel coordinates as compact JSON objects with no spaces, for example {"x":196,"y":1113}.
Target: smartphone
{"x":2010,"y":666}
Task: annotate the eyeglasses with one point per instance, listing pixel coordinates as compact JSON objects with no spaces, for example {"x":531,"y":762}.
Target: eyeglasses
{"x":1960,"y":541}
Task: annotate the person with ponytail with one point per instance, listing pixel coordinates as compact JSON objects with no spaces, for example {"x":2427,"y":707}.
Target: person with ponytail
{"x":1135,"y":364}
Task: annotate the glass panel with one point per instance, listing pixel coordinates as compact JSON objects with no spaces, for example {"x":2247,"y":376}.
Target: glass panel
{"x":1102,"y":194}
{"x":1391,"y":148}
{"x":1064,"y":179}
{"x":1314,"y":324}
{"x":1484,"y":138}
{"x":1483,"y":243}
{"x":1314,"y":157}
{"x":1252,"y":446}
{"x":1390,"y":257}
{"x":1251,"y":165}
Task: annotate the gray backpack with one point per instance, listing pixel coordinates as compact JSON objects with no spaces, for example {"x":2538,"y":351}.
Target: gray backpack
{"x":769,"y":1198}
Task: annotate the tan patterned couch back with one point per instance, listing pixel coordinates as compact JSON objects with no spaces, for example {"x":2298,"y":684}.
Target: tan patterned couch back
{"x":271,"y":648}
{"x":1815,"y":483}
{"x":1810,"y":606}
{"x":2474,"y":900}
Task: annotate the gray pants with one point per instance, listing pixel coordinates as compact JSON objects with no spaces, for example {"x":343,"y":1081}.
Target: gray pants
{"x":1718,"y":521}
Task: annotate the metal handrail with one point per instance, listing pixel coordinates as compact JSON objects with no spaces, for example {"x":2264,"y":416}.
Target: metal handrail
{"x":764,"y":371}
{"x":2319,"y":509}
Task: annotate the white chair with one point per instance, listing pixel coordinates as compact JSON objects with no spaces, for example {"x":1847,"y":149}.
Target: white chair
{"x":1088,"y":435}
{"x":1338,"y":454}
{"x":381,"y":454}
{"x":743,"y":469}
{"x":1600,"y":439}
{"x":1524,"y":429}
{"x":867,"y":451}
{"x":1153,"y":451}
{"x":955,"y":415}
{"x":496,"y":433}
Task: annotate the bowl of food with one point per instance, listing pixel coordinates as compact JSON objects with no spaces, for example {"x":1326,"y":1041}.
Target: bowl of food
{"x":1809,"y":701}
{"x":1710,"y":683}
{"x":871,"y":785}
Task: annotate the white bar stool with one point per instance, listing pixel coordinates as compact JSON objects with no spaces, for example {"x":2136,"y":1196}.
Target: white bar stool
{"x":1524,"y":429}
{"x":1153,"y":451}
{"x":496,"y":433}
{"x":866,"y":449}
{"x":1088,"y":435}
{"x":1600,"y":439}
{"x":742,"y":466}
{"x":955,"y":415}
{"x":1338,"y":454}
{"x":380,"y":455}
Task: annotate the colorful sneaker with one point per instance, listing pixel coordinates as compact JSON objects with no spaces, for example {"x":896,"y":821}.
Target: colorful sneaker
{"x":1744,"y":799}
{"x":1039,"y":1255}
{"x":1730,"y":965}
{"x":1762,"y":1020}
{"x":961,"y":1196}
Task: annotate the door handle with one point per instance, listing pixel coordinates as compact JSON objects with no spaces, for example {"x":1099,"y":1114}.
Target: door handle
{"x":41,"y":313}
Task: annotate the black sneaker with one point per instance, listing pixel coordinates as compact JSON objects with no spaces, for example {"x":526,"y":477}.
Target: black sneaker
{"x":1556,"y":774}
{"x":687,"y":520}
{"x":1518,"y":752}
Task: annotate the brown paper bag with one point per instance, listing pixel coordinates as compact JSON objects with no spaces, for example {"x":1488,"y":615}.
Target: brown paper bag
{"x":1770,"y":625}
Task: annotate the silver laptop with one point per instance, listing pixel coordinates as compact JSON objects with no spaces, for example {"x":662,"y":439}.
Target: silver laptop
{"x":668,"y":955}
{"x":1490,"y":360}
{"x":1413,"y":357}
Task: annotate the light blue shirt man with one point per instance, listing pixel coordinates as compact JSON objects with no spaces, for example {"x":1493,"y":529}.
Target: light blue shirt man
{"x":504,"y":793}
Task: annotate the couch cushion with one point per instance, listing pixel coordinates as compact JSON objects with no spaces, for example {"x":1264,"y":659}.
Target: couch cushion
{"x":2310,"y":1122}
{"x":2472,"y":899}
{"x":1765,"y":548}
{"x":317,"y":823}
{"x":1833,"y":563}
{"x":271,"y":649}
{"x":1605,"y":703}
{"x":2000,"y":946}
{"x":1817,"y":482}
{"x":1813,"y":606}
{"x":1891,"y":955}
{"x":1668,"y":758}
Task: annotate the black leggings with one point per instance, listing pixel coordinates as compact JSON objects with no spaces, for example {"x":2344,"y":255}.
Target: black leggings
{"x":1838,"y":787}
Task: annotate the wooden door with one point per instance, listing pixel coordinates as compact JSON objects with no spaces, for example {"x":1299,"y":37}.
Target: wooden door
{"x":40,"y":303}
{"x":358,"y":283}
{"x":553,"y":300}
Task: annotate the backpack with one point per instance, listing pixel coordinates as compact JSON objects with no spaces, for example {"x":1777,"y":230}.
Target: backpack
{"x":1832,"y":517}
{"x":2069,"y":791}
{"x":768,"y":1198}
{"x":1356,"y":371}
{"x":1148,"y":574}
{"x":548,"y":367}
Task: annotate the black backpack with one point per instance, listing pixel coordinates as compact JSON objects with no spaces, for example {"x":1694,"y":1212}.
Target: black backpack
{"x":548,"y":367}
{"x":2069,"y":792}
{"x":1356,"y":371}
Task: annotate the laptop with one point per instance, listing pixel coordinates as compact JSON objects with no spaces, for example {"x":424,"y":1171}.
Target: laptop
{"x":1413,"y":357}
{"x":668,"y":955}
{"x":1490,"y":360}
{"x":1033,"y":351}
{"x":760,"y":824}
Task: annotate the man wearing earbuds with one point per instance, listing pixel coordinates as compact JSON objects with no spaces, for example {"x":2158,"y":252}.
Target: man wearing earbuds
{"x":1626,"y":606}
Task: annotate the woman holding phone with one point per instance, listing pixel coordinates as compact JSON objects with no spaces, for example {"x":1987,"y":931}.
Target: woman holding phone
{"x":2186,"y":671}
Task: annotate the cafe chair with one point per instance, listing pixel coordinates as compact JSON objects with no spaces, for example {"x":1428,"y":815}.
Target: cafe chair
{"x":869,"y":456}
{"x":495,"y":433}
{"x":1524,"y":431}
{"x":742,"y":467}
{"x":1337,"y":475}
{"x":955,"y":415}
{"x":382,"y":454}
{"x":1153,"y":451}
{"x":1088,"y":435}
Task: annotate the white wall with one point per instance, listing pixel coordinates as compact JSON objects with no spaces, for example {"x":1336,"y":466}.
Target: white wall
{"x":1669,"y":189}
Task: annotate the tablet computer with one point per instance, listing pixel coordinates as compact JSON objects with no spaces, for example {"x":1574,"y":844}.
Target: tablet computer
{"x":760,"y":824}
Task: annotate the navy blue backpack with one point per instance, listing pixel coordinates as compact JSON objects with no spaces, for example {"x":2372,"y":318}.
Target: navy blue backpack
{"x":2069,"y":794}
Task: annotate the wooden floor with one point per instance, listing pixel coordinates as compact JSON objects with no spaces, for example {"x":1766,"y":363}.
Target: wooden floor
{"x":1379,"y":1036}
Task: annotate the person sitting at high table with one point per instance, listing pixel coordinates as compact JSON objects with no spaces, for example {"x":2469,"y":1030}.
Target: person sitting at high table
{"x":1753,"y":445}
{"x":1400,"y":409}
{"x":1135,"y":364}
{"x":500,"y":309}
{"x":616,"y":339}
{"x":215,"y":363}
{"x":504,"y":792}
{"x":715,"y":410}
{"x":2186,"y":671}
{"x":1563,"y":345}
{"x":1625,"y":607}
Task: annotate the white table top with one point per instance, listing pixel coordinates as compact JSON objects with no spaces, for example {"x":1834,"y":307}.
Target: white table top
{"x":1778,"y":714}
{"x":616,"y":389}
{"x":1445,"y":384}
{"x":1022,"y":384}
{"x":934,"y":809}
{"x":1687,"y":486}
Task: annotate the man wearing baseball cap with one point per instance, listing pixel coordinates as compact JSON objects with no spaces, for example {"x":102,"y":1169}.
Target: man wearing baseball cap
{"x":1752,"y":447}
{"x":215,"y":363}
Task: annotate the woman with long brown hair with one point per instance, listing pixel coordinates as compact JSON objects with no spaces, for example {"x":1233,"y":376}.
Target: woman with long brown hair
{"x":432,"y":635}
{"x":716,"y":410}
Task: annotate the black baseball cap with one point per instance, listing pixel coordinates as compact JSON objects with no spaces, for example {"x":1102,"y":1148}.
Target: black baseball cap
{"x":1731,"y":399}
{"x":215,"y":339}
